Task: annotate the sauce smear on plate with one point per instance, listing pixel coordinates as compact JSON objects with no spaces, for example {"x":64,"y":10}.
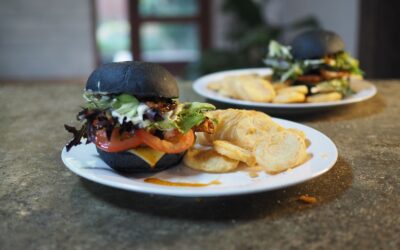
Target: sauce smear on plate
{"x":179,"y":184}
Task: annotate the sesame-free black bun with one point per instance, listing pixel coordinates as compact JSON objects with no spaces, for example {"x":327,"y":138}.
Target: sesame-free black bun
{"x":126,"y":162}
{"x":140,"y":79}
{"x":315,"y":44}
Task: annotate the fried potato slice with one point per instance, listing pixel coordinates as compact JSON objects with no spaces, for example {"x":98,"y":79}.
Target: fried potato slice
{"x":254,"y":89}
{"x":244,"y":87}
{"x":234,"y":152}
{"x":240,"y":127}
{"x":298,"y":132}
{"x":289,"y":97}
{"x":202,"y":139}
{"x":209,"y":160}
{"x":280,"y":151}
{"x":328,"y":97}
{"x":299,"y":88}
{"x":280,"y":85}
{"x":214,"y":85}
{"x":224,"y":86}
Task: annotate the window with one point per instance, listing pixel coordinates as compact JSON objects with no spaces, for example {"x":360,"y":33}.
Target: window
{"x":169,"y":32}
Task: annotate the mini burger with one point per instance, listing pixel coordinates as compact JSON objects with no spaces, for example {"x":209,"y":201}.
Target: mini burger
{"x":315,"y":58}
{"x":134,"y":118}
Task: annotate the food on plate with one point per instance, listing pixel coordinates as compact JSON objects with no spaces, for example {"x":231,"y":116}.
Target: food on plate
{"x":234,"y":152}
{"x":161,"y":182}
{"x":277,"y":151}
{"x":133,"y":117}
{"x":328,"y":97}
{"x":240,"y":127}
{"x":316,"y":59}
{"x":247,"y":137}
{"x":315,"y":64}
{"x":245,"y":87}
{"x":209,"y":160}
{"x":301,"y":89}
{"x":289,"y":97}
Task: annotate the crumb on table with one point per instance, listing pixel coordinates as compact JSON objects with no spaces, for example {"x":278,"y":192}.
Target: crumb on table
{"x":307,"y":199}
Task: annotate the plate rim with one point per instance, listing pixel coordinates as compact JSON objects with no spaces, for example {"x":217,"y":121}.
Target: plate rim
{"x":199,"y":192}
{"x":198,"y":87}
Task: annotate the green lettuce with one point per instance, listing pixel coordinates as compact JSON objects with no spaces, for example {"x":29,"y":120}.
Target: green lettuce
{"x":286,"y":68}
{"x":184,"y":117}
{"x":278,"y":51}
{"x":343,"y":61}
{"x":97,"y":101}
{"x":125,"y":105}
{"x":192,"y":114}
{"x":338,"y":85}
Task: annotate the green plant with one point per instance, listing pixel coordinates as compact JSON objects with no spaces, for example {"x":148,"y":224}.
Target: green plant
{"x":250,"y":35}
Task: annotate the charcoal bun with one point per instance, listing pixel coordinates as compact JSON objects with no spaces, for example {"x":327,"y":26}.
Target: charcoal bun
{"x":316,"y":44}
{"x":126,"y":162}
{"x":140,"y":79}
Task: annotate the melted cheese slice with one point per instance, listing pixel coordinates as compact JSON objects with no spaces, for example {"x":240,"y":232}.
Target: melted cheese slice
{"x":149,"y":155}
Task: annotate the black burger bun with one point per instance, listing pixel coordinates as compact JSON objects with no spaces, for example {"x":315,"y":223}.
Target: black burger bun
{"x":140,"y":79}
{"x":316,"y":44}
{"x":126,"y":162}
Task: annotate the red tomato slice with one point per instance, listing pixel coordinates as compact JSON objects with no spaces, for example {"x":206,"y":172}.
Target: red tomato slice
{"x":117,"y":143}
{"x":173,"y":145}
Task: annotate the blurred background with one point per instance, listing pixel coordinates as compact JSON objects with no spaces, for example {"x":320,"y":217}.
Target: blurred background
{"x":58,"y":40}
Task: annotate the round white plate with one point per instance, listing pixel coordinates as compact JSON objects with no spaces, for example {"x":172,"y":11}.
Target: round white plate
{"x":84,"y":161}
{"x":364,"y":90}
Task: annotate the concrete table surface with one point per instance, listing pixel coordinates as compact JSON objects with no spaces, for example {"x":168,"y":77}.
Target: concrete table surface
{"x":45,"y":206}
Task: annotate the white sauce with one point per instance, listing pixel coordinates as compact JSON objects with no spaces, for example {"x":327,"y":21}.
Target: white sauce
{"x":137,"y":119}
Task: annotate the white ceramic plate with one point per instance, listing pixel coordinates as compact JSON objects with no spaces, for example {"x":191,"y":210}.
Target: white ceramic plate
{"x":364,"y":90}
{"x":84,"y":161}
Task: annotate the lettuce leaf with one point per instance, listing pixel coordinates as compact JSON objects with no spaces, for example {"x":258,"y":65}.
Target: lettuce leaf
{"x":192,"y":114}
{"x":285,"y":67}
{"x":339,"y":85}
{"x":125,"y":105}
{"x":96,"y":101}
{"x":278,"y":51}
{"x":343,"y":61}
{"x":184,"y":117}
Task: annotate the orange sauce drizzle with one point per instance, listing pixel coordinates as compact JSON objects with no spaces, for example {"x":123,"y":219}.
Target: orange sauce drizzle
{"x":179,"y":184}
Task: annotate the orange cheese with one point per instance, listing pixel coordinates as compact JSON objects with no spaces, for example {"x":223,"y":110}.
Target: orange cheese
{"x":149,"y":155}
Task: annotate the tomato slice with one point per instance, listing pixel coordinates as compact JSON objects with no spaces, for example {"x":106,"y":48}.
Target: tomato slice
{"x":117,"y":143}
{"x":174,"y":143}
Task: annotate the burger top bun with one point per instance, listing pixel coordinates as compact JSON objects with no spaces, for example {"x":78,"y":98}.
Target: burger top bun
{"x":140,"y":79}
{"x":315,"y":44}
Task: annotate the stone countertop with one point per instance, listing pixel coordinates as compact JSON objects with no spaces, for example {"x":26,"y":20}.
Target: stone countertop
{"x":45,"y":206}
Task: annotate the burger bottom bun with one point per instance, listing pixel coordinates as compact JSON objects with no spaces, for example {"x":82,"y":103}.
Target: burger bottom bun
{"x":126,"y":162}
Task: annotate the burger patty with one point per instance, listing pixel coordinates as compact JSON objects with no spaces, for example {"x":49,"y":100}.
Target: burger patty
{"x":322,"y":75}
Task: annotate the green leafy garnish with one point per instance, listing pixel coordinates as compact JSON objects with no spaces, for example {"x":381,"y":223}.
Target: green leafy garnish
{"x":280,"y":60}
{"x":192,"y":114}
{"x":277,"y":50}
{"x":97,"y":101}
{"x":125,"y":105}
{"x":184,"y":117}
{"x":343,"y":61}
{"x":338,"y":85}
{"x":286,"y":68}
